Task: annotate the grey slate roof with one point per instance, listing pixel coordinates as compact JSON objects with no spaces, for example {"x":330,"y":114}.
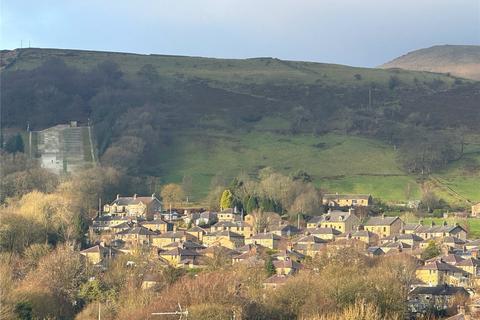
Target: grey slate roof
{"x":334,"y":196}
{"x":381,"y":221}
{"x":138,"y":231}
{"x":331,"y":231}
{"x":441,"y":290}
{"x":272,"y":236}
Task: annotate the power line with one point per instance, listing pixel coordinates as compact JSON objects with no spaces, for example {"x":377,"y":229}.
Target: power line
{"x":181,"y":313}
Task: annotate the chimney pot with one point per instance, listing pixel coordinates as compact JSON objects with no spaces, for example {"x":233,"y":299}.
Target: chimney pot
{"x":135,"y":196}
{"x":118,"y":196}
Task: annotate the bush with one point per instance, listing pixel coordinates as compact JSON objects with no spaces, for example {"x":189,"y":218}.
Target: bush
{"x":210,"y":311}
{"x":438,"y":213}
{"x":393,"y":82}
{"x":431,"y":251}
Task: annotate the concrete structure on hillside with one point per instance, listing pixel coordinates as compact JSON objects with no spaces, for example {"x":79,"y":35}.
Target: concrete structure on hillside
{"x":62,"y":148}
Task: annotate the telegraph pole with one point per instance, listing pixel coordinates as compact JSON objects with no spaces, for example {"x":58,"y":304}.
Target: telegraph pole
{"x":370,"y":98}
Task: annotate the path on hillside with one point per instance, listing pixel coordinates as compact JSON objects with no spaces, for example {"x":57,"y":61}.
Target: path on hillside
{"x":442,"y":184}
{"x":91,"y":144}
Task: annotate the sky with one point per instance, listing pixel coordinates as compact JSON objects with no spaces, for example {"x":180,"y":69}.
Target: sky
{"x":353,"y":32}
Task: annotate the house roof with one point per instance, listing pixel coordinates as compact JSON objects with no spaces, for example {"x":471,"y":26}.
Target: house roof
{"x":230,"y":224}
{"x":289,"y":253}
{"x":375,"y":251}
{"x":208,"y":215}
{"x":180,"y":252}
{"x":154,"y":222}
{"x":171,"y":234}
{"x":333,"y":196}
{"x":93,"y":249}
{"x":285,"y":228}
{"x":438,"y":229}
{"x":469,"y":262}
{"x":454,"y":240}
{"x":310,"y":239}
{"x":219,"y":249}
{"x":331,"y":231}
{"x":265,"y":236}
{"x":123,"y":225}
{"x":309,"y":246}
{"x":125,"y":201}
{"x":196,"y":229}
{"x":409,"y":236}
{"x":251,"y":246}
{"x":142,"y":231}
{"x":286,"y":264}
{"x":363,"y":233}
{"x":452,"y":259}
{"x":395,"y":244}
{"x":315,"y":219}
{"x":411,"y":226}
{"x":225,"y":233}
{"x":441,"y":266}
{"x":441,"y":290}
{"x":381,"y":221}
{"x":277,"y":279}
{"x":474,"y":242}
{"x":336,"y":216}
{"x":185,"y":245}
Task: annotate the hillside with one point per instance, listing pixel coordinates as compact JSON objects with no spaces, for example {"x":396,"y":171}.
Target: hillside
{"x":353,"y":129}
{"x":460,"y":61}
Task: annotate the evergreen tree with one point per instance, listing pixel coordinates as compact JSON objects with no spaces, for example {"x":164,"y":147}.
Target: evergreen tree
{"x":252,"y":204}
{"x":15,"y":144}
{"x":226,"y":199}
{"x":431,"y":251}
{"x":267,"y":205}
{"x":269,"y":267}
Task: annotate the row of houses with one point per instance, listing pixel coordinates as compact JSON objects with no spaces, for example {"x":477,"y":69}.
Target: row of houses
{"x":190,"y":239}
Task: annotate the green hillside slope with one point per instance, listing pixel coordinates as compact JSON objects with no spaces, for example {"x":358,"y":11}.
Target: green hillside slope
{"x":172,"y":116}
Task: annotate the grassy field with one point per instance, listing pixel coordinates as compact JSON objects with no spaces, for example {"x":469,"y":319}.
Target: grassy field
{"x":337,"y":163}
{"x":457,"y":183}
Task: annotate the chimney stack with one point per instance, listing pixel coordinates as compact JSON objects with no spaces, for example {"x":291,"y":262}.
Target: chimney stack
{"x":135,"y":196}
{"x":118,"y":196}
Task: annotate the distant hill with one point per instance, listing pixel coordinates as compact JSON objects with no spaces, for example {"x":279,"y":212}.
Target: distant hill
{"x":460,"y":61}
{"x":207,"y":120}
